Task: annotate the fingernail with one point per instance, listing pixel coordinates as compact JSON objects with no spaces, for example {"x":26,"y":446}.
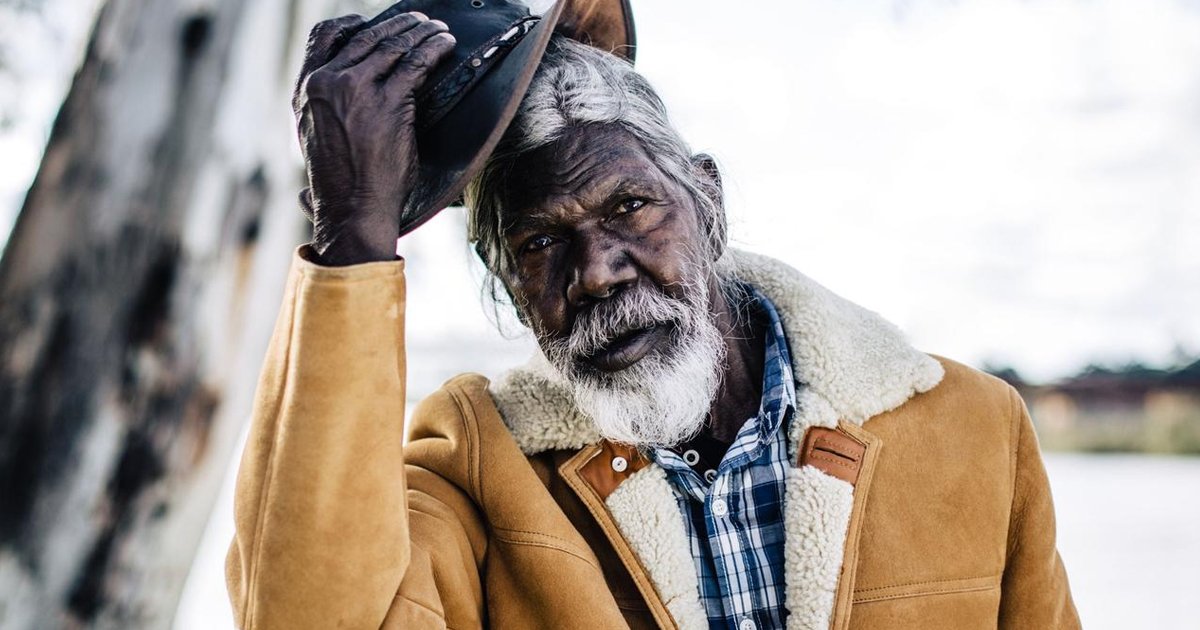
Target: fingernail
{"x":420,"y":16}
{"x":449,"y":37}
{"x":439,"y":23}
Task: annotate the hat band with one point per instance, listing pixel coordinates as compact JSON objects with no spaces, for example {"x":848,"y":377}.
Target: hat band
{"x":433,"y":104}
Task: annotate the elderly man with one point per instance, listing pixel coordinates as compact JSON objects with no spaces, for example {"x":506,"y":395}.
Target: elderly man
{"x":708,"y":439}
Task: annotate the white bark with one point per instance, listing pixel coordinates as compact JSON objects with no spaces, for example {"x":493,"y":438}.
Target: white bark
{"x":136,"y":295}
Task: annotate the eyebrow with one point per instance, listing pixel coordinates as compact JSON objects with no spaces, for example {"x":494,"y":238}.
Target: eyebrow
{"x":527,"y":222}
{"x":622,"y":187}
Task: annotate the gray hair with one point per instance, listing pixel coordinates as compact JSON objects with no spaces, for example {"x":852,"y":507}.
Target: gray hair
{"x":577,"y":85}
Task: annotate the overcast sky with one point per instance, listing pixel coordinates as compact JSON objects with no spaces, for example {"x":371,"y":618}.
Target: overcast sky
{"x":1014,"y":182}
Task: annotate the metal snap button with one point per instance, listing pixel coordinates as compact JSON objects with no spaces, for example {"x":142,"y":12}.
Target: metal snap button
{"x":691,"y":457}
{"x":710,"y":475}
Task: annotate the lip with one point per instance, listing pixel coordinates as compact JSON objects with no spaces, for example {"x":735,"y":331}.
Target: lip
{"x":628,"y":349}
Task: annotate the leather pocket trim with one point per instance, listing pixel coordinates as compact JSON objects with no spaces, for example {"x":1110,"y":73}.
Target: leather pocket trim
{"x":933,"y":587}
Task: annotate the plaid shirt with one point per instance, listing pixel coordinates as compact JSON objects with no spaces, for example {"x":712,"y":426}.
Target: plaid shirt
{"x":735,"y":523}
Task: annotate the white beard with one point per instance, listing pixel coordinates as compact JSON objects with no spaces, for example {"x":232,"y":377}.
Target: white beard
{"x":663,"y":399}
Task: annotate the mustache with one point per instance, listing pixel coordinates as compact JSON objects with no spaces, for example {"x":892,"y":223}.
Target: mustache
{"x":636,"y":308}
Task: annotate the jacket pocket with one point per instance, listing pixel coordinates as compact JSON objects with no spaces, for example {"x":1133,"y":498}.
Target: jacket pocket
{"x":932,"y":587}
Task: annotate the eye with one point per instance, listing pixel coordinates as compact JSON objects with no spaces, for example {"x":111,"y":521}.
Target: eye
{"x":537,"y":243}
{"x":631,"y":205}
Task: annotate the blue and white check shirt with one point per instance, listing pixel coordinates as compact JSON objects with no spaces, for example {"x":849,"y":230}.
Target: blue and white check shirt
{"x":735,"y":523}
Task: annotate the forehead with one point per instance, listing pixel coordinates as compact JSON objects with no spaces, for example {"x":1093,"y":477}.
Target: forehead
{"x":581,"y":166}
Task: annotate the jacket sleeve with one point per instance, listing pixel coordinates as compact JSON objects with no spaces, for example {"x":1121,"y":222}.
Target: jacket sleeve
{"x":1034,"y":591}
{"x":325,"y":533}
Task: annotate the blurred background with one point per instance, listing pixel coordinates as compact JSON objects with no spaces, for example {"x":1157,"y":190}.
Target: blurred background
{"x":1015,"y":183}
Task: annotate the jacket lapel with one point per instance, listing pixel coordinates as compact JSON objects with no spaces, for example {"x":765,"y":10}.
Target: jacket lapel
{"x":849,"y":365}
{"x":845,"y":592}
{"x":636,"y":508}
{"x":826,"y":495}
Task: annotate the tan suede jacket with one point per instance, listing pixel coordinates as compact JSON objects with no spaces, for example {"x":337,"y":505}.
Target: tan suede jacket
{"x":918,"y":499}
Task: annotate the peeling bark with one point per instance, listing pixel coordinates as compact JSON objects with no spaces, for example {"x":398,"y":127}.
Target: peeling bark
{"x":136,"y":295}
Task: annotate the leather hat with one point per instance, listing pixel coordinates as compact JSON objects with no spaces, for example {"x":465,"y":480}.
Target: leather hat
{"x":471,"y":97}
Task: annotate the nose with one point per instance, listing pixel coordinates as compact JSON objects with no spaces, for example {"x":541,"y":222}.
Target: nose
{"x":599,"y":271}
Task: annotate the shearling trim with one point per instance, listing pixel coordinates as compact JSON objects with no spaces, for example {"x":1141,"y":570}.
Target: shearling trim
{"x":816,"y":514}
{"x":647,"y":514}
{"x":855,"y":363}
{"x":812,"y":410}
{"x":849,"y":363}
{"x":538,"y":409}
{"x":849,"y":355}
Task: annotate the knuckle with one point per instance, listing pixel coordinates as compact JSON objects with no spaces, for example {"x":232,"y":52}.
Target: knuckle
{"x":419,"y":35}
{"x":367,"y":38}
{"x":421,"y":59}
{"x":404,"y":21}
{"x":336,"y":25}
{"x":431,"y":27}
{"x":343,"y":82}
{"x":319,"y":29}
{"x":393,"y":45}
{"x":321,"y":84}
{"x":321,"y":34}
{"x":441,"y":45}
{"x":429,"y":54}
{"x":324,"y":37}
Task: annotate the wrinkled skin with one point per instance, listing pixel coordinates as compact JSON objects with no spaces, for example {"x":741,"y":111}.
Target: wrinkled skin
{"x":595,"y":214}
{"x":355,"y":107}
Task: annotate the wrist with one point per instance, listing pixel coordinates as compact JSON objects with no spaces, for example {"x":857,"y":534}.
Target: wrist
{"x":353,"y":247}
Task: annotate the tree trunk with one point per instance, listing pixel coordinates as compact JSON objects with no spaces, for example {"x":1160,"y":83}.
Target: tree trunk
{"x":136,"y":295}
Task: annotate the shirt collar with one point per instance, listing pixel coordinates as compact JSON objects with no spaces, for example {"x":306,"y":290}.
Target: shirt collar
{"x":779,"y":386}
{"x":778,"y":400}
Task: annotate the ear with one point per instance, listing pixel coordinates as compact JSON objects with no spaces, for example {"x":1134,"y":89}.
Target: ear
{"x":715,"y":225}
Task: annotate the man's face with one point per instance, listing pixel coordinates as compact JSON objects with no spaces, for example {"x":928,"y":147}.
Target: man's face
{"x":612,"y":272}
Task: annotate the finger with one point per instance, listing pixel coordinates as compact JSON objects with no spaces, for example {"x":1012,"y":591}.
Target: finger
{"x":412,"y":70}
{"x":327,"y":37}
{"x":364,"y":41}
{"x":385,"y":15}
{"x":324,"y":41}
{"x":394,"y":52}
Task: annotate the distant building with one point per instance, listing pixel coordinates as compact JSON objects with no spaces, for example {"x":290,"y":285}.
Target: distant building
{"x":1134,"y":408}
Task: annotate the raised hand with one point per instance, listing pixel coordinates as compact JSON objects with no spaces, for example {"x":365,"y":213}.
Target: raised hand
{"x":355,"y":108}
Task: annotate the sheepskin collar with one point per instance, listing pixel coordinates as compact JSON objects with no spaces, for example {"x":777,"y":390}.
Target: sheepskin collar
{"x":848,"y":362}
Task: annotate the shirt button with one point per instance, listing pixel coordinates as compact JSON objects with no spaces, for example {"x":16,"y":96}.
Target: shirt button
{"x":619,"y":464}
{"x":720,"y":508}
{"x":747,"y":624}
{"x":691,"y":457}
